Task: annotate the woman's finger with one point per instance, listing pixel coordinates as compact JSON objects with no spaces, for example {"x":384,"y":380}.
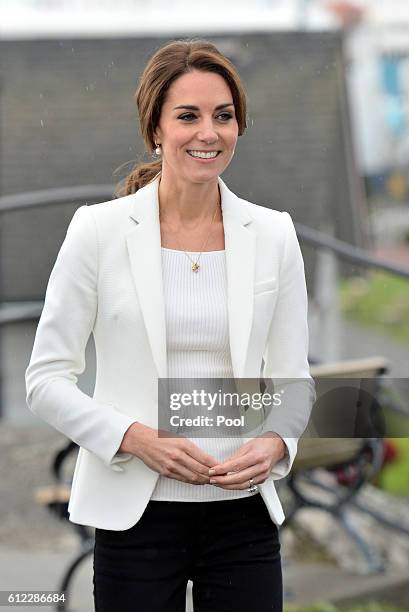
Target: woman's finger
{"x":179,"y":472}
{"x":242,"y":486}
{"x":241,"y":477}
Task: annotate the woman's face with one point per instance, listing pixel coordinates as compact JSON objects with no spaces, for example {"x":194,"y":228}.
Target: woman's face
{"x":197,"y":116}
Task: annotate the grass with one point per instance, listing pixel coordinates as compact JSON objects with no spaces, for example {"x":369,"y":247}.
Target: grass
{"x":380,"y":301}
{"x":327,"y":607}
{"x":394,"y":476}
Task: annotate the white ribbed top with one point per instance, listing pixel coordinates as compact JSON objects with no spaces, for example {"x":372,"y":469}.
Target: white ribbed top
{"x":197,"y":335}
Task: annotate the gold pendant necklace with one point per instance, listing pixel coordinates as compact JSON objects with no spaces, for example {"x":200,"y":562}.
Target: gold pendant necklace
{"x":195,"y":264}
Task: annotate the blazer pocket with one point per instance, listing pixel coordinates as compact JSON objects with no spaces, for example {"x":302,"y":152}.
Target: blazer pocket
{"x":265,"y":286}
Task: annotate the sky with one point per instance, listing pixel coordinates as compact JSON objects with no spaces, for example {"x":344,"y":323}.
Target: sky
{"x":96,"y":17}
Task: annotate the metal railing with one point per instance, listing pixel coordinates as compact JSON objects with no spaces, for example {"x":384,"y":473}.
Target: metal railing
{"x":54,"y":196}
{"x":347,"y":252}
{"x":21,"y":311}
{"x":11,"y":312}
{"x":306,"y":235}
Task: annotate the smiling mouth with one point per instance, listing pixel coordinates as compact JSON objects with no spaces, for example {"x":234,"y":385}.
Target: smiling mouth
{"x":204,"y":155}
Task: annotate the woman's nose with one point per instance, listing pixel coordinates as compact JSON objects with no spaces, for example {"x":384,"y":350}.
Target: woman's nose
{"x":209,"y":138}
{"x":208,"y":134}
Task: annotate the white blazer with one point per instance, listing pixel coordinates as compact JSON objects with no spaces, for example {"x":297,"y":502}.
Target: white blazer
{"x":107,"y":280}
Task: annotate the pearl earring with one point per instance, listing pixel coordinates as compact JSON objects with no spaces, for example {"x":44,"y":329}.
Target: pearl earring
{"x":157,"y":150}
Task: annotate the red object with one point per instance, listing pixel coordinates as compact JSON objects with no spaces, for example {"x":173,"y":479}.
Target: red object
{"x":390,"y":452}
{"x":347,"y":476}
{"x":348,"y":13}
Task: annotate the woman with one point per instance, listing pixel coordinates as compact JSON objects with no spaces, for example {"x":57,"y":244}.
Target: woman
{"x":177,"y":279}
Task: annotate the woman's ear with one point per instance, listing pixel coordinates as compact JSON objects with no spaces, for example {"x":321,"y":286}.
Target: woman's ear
{"x":156,"y":135}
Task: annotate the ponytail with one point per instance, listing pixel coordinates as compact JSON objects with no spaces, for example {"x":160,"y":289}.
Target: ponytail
{"x":140,"y":176}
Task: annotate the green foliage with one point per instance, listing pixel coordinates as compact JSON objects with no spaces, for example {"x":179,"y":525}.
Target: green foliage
{"x":394,"y":476}
{"x":328,"y":607}
{"x":380,"y":301}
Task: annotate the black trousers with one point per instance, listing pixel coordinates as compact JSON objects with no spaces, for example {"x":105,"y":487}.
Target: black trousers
{"x":229,"y":549}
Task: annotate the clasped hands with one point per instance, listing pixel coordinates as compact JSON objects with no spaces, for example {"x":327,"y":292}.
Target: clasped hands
{"x":179,"y":458}
{"x":254,"y":459}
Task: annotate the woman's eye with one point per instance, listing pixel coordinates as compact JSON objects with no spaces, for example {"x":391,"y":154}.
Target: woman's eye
{"x":187,"y":115}
{"x":227,"y":115}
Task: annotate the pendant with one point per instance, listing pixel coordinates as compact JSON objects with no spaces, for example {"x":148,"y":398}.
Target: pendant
{"x":195,"y":267}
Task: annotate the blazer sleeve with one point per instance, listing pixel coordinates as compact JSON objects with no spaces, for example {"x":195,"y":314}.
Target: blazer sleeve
{"x":286,"y":366}
{"x":58,"y":354}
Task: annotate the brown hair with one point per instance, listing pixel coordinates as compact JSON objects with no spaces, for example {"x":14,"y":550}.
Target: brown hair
{"x":166,"y":65}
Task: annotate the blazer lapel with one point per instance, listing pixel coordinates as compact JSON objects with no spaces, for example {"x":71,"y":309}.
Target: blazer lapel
{"x":240,"y":244}
{"x":144,"y":248}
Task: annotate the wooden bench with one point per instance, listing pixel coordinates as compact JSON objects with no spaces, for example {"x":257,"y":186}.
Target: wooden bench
{"x":351,"y":461}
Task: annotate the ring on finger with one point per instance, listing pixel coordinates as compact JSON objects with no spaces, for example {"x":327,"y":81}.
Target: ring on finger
{"x":252,"y":487}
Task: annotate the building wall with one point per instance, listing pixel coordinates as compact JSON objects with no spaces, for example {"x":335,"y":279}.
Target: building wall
{"x":68,"y":118}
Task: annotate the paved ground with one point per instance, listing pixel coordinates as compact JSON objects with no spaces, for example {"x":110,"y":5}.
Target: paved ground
{"x":304,"y":584}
